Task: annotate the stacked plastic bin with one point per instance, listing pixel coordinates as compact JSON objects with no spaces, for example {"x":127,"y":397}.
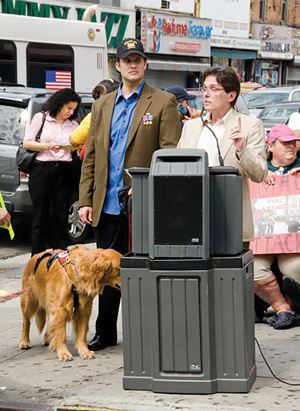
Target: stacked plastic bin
{"x":187,"y":286}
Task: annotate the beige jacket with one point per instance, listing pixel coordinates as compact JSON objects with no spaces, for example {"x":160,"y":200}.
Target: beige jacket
{"x":251,"y":162}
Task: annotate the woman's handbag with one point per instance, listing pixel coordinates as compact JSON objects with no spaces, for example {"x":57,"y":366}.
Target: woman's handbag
{"x":25,"y":157}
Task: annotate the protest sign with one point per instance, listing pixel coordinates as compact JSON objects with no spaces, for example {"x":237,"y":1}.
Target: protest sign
{"x":276,"y":212}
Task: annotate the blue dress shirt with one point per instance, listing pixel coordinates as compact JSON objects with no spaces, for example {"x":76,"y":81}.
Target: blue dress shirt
{"x":119,"y":131}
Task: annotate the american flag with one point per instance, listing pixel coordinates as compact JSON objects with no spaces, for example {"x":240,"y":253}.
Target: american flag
{"x":56,"y":79}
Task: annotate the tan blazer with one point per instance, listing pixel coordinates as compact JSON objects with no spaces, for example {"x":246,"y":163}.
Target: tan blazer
{"x":251,"y":163}
{"x":143,"y":140}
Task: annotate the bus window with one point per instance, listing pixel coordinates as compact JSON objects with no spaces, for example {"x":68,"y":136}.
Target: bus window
{"x":51,"y":58}
{"x":8,"y":72}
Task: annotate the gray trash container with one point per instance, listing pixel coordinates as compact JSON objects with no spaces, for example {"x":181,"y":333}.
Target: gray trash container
{"x":188,"y":324}
{"x":179,"y":204}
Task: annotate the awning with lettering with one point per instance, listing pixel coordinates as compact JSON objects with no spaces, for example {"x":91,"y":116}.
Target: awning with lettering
{"x":233,"y":54}
{"x":176,"y":65}
{"x":274,"y":55}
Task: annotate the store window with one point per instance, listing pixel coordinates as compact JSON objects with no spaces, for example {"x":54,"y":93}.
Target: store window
{"x":262,"y":7}
{"x":220,"y":61}
{"x":268,"y":72}
{"x":239,"y":67}
{"x":284,"y":10}
{"x":8,"y":62}
{"x":52,"y":57}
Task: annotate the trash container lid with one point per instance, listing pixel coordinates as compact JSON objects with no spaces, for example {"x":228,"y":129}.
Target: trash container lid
{"x":224,"y":170}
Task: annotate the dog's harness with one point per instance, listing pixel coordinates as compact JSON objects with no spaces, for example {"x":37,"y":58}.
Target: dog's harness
{"x":63,"y":257}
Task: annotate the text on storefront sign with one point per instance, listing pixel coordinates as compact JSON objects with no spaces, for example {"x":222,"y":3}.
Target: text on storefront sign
{"x":169,"y":27}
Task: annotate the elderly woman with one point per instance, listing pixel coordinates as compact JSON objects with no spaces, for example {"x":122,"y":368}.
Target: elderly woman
{"x":282,"y":159}
{"x":49,"y":179}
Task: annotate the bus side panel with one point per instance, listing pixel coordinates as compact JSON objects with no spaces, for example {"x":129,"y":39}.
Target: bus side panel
{"x":90,"y":63}
{"x":21,"y":59}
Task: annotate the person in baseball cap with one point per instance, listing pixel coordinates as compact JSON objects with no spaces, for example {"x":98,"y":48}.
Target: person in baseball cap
{"x":140,"y":119}
{"x":282,"y":152}
{"x":180,"y":93}
{"x":185,"y":111}
{"x":281,"y":132}
{"x":130,"y":46}
{"x":282,"y":159}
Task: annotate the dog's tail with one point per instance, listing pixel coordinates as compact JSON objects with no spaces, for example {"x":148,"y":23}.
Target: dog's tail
{"x":40,"y":319}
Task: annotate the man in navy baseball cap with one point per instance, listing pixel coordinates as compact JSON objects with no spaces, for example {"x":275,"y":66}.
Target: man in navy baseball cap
{"x":182,"y":98}
{"x":180,"y":93}
{"x":130,"y":46}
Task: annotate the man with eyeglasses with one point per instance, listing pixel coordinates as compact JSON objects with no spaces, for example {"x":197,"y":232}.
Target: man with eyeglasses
{"x":240,"y":138}
{"x":282,"y":159}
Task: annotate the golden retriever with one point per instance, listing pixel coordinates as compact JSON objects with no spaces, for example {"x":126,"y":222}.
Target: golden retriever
{"x":52,"y":295}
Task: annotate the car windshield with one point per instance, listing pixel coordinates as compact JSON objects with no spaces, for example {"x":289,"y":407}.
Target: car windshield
{"x":256,"y":99}
{"x":281,"y":113}
{"x":13,"y":121}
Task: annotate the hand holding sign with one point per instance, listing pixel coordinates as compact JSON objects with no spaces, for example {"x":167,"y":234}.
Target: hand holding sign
{"x":238,"y":136}
{"x":4,"y":217}
{"x":270,"y":178}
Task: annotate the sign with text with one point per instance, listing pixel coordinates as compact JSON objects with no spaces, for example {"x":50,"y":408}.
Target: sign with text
{"x":229,"y":17}
{"x":276,"y":41}
{"x":163,"y":33}
{"x":276,"y":213}
{"x":118,"y":25}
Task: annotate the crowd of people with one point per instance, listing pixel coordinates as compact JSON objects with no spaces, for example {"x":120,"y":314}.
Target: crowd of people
{"x":128,"y":122}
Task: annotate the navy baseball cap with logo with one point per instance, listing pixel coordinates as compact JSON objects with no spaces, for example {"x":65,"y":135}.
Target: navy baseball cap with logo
{"x":180,"y":92}
{"x":130,"y":46}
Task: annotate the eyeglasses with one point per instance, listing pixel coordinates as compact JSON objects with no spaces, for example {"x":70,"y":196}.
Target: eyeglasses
{"x":212,"y":90}
{"x":288,"y":143}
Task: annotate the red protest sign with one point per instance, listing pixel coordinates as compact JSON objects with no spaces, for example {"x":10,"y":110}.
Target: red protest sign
{"x":276,"y":213}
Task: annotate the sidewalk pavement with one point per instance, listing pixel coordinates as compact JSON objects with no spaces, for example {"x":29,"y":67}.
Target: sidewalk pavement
{"x":36,"y":376}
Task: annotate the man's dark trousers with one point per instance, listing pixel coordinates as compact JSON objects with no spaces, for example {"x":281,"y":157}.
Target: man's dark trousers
{"x":111,"y":232}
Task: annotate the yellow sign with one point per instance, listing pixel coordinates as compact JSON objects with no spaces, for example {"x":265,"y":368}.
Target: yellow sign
{"x":9,"y":228}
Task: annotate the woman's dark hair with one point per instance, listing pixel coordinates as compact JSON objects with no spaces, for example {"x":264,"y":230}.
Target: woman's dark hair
{"x":113,"y":88}
{"x":103,"y":87}
{"x":228,"y":79}
{"x":55,"y":103}
{"x":98,"y":90}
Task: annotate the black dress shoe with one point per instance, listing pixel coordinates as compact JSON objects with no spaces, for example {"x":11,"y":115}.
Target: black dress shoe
{"x":96,"y":344}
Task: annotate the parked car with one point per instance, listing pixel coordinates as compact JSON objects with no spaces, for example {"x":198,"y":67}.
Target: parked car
{"x":277,"y":113}
{"x":240,"y":106}
{"x":257,"y":100}
{"x":17,"y":107}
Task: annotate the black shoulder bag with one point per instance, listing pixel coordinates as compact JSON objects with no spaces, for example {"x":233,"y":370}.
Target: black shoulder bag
{"x":25,"y":157}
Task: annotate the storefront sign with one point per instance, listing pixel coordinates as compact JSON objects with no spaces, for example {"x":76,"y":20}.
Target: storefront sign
{"x":276,"y":41}
{"x":171,"y":34}
{"x":276,"y":211}
{"x":235,"y":43}
{"x":275,"y":56}
{"x":229,"y":17}
{"x":182,"y":6}
{"x":188,"y":47}
{"x":118,"y":25}
{"x":296,"y":42}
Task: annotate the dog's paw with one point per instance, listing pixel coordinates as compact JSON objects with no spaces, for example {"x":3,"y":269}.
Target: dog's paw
{"x":87,"y":355}
{"x":65,"y":356}
{"x":24,"y":345}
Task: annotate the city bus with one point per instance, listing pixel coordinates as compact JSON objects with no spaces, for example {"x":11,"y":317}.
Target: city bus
{"x":52,"y":53}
